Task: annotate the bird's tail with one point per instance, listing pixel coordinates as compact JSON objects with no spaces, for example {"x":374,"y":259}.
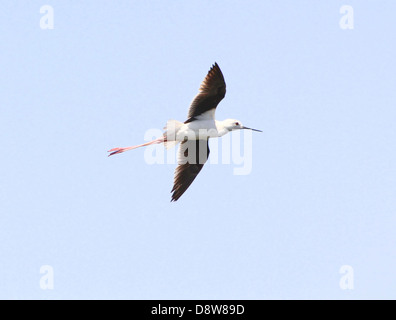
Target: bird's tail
{"x":121,"y":150}
{"x":171,"y":129}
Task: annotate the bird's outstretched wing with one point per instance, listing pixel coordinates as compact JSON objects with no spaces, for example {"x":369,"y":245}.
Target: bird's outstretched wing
{"x":211,"y":92}
{"x":191,"y":158}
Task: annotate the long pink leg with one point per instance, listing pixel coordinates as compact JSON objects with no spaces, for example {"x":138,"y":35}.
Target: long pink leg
{"x":121,"y":150}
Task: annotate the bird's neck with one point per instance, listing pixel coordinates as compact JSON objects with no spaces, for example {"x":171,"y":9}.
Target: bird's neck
{"x":221,"y":128}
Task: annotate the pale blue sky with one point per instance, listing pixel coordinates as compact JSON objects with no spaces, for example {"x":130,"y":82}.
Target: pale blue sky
{"x":322,"y":192}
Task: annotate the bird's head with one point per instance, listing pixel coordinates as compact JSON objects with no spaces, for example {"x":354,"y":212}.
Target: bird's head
{"x":233,"y":124}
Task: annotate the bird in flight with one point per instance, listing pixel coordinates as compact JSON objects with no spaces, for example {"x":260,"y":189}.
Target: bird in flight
{"x":194,"y":133}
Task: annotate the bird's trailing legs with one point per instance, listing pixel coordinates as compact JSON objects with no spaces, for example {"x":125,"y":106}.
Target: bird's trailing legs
{"x":121,"y":150}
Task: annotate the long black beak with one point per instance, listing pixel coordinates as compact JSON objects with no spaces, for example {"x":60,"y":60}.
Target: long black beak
{"x":251,"y":129}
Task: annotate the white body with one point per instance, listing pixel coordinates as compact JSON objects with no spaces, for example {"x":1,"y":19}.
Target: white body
{"x":202,"y":128}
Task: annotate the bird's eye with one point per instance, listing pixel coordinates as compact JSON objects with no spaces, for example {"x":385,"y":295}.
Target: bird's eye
{"x":237,"y":123}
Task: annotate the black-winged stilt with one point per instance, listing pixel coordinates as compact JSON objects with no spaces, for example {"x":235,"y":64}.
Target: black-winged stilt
{"x":195,"y":132}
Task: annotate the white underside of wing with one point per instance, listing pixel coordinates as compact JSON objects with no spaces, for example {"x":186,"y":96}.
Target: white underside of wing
{"x":194,"y":150}
{"x":208,"y":115}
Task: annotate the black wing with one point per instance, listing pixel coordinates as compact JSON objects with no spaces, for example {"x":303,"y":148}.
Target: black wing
{"x":211,"y":92}
{"x":192,"y":157}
